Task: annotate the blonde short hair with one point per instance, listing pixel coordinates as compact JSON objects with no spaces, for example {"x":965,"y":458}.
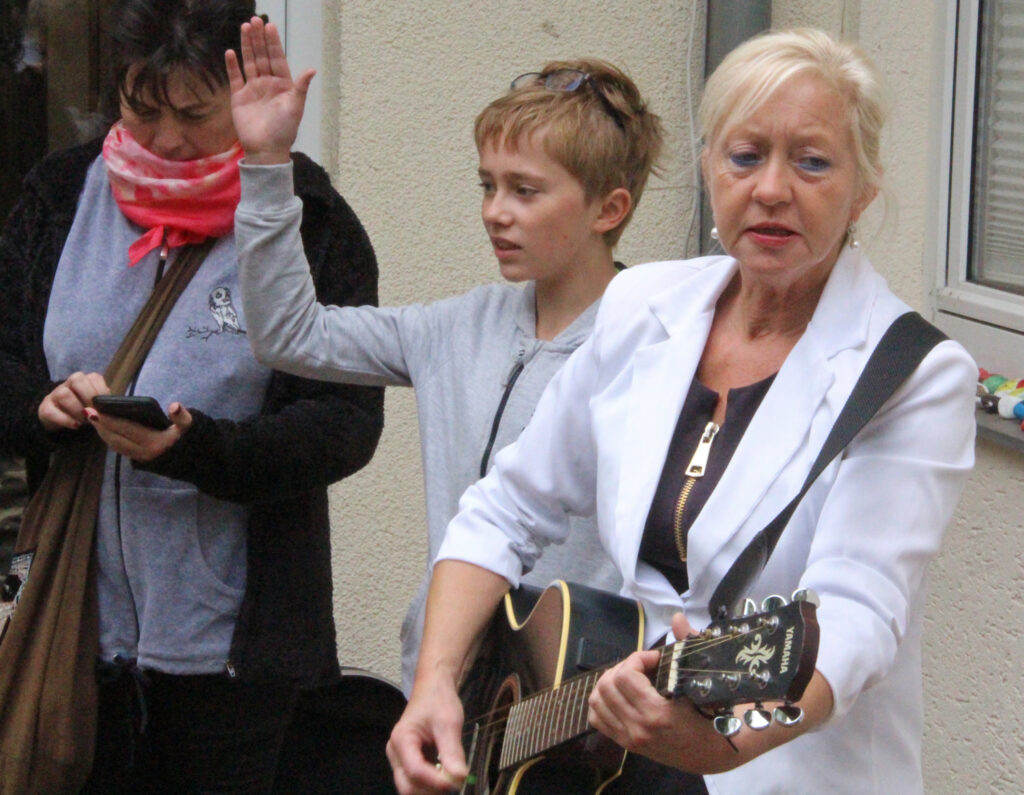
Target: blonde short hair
{"x":604,"y":151}
{"x":753,"y":71}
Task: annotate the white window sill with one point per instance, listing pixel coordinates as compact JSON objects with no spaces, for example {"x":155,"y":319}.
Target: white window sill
{"x":1001,"y":431}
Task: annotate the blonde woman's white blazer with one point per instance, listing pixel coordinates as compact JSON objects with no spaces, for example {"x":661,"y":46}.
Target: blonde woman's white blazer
{"x":861,"y":537}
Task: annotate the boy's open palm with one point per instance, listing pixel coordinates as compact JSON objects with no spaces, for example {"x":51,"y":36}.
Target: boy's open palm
{"x":266,"y":104}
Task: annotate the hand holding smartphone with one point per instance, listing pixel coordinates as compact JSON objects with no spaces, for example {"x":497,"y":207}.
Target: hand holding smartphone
{"x":137,"y":408}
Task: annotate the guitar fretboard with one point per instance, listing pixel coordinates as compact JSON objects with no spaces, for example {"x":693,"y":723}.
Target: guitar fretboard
{"x":547,"y":719}
{"x":555,"y":716}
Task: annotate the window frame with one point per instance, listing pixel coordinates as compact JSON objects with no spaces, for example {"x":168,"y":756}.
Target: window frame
{"x":301,"y":26}
{"x":989,"y":322}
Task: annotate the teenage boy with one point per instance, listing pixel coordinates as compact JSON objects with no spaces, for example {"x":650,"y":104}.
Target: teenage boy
{"x":564,"y":157}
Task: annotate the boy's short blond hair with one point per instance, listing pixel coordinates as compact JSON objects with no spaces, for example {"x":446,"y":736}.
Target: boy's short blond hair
{"x":604,"y":151}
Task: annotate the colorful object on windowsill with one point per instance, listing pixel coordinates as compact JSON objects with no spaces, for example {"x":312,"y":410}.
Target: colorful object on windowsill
{"x":997,"y":394}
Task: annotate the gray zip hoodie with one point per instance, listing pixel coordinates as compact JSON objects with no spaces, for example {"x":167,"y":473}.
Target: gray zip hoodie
{"x":474,"y":360}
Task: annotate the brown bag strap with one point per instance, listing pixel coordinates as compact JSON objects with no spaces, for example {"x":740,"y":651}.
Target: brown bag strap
{"x":129,"y":357}
{"x":48,"y":654}
{"x":87,"y":454}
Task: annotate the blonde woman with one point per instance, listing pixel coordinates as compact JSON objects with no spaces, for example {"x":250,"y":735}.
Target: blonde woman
{"x":765,"y":343}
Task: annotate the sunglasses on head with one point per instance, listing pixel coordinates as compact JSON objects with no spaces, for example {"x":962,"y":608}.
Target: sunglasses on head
{"x":570,"y":80}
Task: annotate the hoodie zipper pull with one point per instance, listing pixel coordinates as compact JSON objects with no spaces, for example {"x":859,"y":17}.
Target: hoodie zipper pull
{"x":164,"y":251}
{"x":517,"y":365}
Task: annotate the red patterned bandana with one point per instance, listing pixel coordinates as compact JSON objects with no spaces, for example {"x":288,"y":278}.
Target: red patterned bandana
{"x":185,"y":200}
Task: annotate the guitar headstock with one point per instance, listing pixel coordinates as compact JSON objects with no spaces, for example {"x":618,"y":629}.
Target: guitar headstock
{"x":765,"y":656}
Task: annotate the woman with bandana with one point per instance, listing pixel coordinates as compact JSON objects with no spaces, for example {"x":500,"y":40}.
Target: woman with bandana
{"x":212,"y":539}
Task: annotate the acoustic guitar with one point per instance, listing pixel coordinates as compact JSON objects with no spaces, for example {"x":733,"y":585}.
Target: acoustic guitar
{"x":545,"y":651}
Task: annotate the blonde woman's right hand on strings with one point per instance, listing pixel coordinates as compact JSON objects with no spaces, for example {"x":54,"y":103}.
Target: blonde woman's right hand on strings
{"x":266,"y":104}
{"x":425,"y":747}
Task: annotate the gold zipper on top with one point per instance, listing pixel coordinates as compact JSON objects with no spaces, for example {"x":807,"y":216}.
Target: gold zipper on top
{"x":696,"y":469}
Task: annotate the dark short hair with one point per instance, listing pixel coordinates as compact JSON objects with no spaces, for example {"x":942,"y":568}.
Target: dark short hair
{"x":167,"y":36}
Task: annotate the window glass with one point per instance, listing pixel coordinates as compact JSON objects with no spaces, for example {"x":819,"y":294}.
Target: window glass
{"x":996,"y":249}
{"x":51,"y":67}
{"x":51,"y":96}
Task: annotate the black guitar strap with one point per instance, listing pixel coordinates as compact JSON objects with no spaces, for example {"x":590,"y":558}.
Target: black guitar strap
{"x":902,"y":348}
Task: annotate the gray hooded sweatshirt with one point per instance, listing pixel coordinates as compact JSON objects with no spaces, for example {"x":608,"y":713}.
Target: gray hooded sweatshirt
{"x":474,"y":360}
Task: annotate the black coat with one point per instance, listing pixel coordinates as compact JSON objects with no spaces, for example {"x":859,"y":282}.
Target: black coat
{"x":308,"y":434}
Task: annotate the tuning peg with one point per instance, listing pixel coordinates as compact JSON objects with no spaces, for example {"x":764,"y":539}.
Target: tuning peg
{"x":806,"y":595}
{"x":727,"y":724}
{"x":758,"y":718}
{"x":770,"y":623}
{"x":702,"y":686}
{"x":772,"y":603}
{"x":788,"y":715}
{"x":731,"y":680}
{"x":749,"y":607}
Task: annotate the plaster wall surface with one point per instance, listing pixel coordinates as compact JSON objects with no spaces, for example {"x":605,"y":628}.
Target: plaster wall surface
{"x":404,"y":81}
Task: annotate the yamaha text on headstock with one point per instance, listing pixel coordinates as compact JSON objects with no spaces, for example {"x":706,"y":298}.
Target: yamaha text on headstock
{"x":530,"y":683}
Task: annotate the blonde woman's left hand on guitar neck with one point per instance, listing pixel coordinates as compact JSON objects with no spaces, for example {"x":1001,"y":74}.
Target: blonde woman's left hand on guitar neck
{"x":625,"y":706}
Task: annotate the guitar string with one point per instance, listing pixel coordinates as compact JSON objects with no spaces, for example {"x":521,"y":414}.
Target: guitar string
{"x":695,"y":645}
{"x":498,"y":716}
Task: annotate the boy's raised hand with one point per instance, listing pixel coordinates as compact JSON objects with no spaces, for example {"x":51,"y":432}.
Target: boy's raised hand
{"x":266,"y":104}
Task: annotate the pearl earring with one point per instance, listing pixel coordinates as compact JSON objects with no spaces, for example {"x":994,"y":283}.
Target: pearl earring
{"x":851,"y":235}
{"x":714,"y":233}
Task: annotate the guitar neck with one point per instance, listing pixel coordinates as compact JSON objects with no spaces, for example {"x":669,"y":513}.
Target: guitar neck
{"x":546,"y":719}
{"x":549,"y":718}
{"x":769,"y":656}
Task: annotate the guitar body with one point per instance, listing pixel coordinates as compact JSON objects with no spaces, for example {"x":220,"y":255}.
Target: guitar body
{"x":540,"y":640}
{"x":544,"y":654}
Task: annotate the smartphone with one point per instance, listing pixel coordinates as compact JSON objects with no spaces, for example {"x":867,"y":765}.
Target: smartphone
{"x":137,"y":408}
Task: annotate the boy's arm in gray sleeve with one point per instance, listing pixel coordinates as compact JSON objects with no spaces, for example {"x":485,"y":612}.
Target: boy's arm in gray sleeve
{"x":288,"y":329}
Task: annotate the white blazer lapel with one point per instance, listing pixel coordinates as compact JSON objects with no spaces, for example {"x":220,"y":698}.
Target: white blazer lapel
{"x":761,"y":462}
{"x":785,"y":435}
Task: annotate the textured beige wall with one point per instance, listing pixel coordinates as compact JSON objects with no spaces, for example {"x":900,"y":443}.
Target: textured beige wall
{"x":404,"y":81}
